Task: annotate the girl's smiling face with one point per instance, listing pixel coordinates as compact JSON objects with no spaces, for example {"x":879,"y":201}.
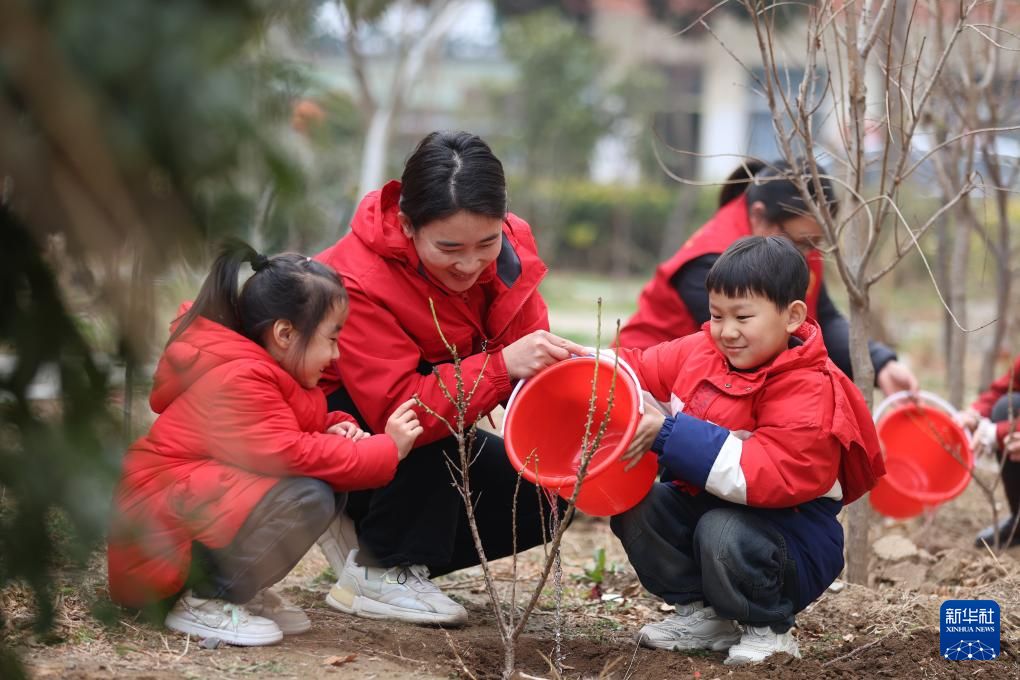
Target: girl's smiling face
{"x":455,"y":250}
{"x":307,"y":363}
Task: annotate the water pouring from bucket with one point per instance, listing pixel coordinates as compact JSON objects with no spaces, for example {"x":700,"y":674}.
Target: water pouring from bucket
{"x":544,"y":432}
{"x":928,"y":458}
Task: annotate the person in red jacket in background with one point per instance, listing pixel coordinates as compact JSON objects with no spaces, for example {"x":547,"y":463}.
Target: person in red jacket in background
{"x":761,"y":200}
{"x":767,"y":440}
{"x":993,"y":419}
{"x":242,"y":469}
{"x":441,"y":235}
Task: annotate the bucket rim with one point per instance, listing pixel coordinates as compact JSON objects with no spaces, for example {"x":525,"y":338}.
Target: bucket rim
{"x":560,"y":481}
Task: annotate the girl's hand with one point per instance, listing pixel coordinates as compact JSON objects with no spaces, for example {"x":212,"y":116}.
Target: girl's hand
{"x":647,"y":430}
{"x":403,"y":428}
{"x":349,"y":430}
{"x":530,"y":354}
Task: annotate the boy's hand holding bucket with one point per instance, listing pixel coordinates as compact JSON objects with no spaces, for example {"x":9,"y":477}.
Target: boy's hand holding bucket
{"x":647,"y":430}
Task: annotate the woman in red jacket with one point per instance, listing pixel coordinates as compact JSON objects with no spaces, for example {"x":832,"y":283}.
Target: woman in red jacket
{"x":441,"y":235}
{"x":241,"y":470}
{"x":993,"y":418}
{"x":763,"y":201}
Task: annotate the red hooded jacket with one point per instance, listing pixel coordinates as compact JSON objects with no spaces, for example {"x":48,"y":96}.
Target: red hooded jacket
{"x":662,"y":315}
{"x":232,"y":422}
{"x":812,"y":435}
{"x":390,"y":343}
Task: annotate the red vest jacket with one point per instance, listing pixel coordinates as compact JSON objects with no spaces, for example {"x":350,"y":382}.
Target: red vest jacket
{"x":390,"y":342}
{"x":662,"y":315}
{"x":231,"y":424}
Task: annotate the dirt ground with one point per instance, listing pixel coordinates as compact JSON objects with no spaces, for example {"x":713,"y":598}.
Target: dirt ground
{"x":888,"y":630}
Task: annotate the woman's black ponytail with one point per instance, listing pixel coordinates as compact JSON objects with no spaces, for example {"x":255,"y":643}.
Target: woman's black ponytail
{"x":736,"y":183}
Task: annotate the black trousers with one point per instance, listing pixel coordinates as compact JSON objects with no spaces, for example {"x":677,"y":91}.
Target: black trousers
{"x":419,"y":517}
{"x":1010,"y":469}
{"x":272,"y":540}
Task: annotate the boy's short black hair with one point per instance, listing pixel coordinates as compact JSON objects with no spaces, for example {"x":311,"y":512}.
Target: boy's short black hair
{"x":770,"y":266}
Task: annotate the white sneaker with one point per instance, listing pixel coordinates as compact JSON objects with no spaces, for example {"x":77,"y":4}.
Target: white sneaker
{"x":760,"y":642}
{"x":229,"y":622}
{"x":694,"y":626}
{"x":289,"y":618}
{"x":399,"y":593}
{"x":338,"y":541}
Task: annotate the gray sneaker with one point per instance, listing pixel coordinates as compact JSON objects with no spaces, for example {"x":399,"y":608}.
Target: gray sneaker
{"x":694,"y":626}
{"x":760,"y":642}
{"x":398,"y":593}
{"x":270,"y":605}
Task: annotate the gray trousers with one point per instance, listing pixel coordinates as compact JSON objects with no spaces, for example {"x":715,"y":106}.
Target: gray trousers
{"x":688,"y":548}
{"x":272,"y":540}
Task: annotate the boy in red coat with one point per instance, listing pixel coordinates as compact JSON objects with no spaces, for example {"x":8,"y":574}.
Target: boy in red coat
{"x":766,"y":442}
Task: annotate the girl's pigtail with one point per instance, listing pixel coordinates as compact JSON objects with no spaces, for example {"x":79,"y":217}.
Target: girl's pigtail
{"x":736,"y":183}
{"x":217,"y":299}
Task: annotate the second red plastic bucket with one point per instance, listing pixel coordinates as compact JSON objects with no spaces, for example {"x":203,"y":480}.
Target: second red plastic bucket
{"x":927,"y":455}
{"x":544,"y":428}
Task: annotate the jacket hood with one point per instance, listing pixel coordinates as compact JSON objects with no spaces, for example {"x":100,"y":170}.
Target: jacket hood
{"x":375,"y":223}
{"x":203,"y":346}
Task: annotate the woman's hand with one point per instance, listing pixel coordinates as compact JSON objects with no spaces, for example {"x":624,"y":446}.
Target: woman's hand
{"x":349,"y":430}
{"x":530,"y":354}
{"x":647,"y":430}
{"x":1011,"y":446}
{"x":403,"y":427}
{"x":896,"y":377}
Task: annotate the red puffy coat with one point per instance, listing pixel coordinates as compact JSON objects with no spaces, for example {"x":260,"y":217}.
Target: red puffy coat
{"x":812,"y":435}
{"x":390,"y":342}
{"x":231,"y":424}
{"x":662,"y":315}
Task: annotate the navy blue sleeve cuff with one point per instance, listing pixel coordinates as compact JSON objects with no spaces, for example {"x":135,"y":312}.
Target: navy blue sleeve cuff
{"x":660,"y":439}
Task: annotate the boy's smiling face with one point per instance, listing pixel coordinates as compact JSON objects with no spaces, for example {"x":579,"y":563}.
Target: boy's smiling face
{"x":750,"y":330}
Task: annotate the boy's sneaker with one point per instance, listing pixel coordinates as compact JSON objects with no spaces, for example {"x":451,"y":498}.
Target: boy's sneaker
{"x":399,"y":593}
{"x":289,"y":618}
{"x":694,"y":626}
{"x":232,"y":623}
{"x":760,"y":642}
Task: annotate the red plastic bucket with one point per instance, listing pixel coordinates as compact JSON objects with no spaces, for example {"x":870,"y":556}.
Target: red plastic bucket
{"x":928,"y":459}
{"x":544,"y":429}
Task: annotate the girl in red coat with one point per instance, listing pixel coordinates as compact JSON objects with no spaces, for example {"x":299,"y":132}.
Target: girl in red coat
{"x":243,"y":468}
{"x":993,"y":419}
{"x":443,"y":234}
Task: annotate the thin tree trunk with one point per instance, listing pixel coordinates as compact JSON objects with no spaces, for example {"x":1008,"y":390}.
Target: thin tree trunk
{"x":1003,"y":290}
{"x":958,"y":303}
{"x":859,"y":513}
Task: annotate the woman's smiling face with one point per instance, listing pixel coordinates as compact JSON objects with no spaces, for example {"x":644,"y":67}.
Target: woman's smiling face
{"x":455,"y":250}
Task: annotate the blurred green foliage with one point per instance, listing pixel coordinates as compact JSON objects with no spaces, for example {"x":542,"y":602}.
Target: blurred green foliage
{"x":132,"y":134}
